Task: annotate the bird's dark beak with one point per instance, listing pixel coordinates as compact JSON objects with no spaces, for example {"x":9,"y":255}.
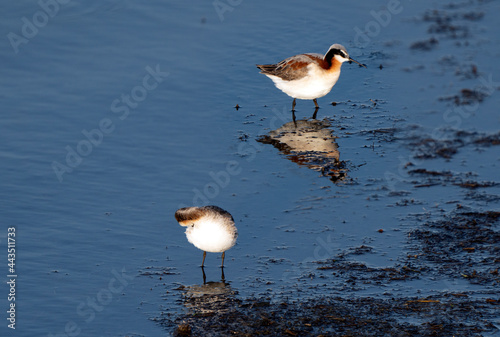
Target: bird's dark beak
{"x":353,"y":60}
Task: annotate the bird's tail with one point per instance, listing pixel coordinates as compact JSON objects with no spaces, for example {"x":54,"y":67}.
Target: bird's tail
{"x":266,"y":68}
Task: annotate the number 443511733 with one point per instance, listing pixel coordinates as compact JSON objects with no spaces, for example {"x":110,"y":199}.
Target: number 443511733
{"x":11,"y":249}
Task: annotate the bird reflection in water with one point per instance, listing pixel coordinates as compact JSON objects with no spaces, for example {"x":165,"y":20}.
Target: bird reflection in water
{"x":222,"y":276}
{"x":309,"y":143}
{"x":210,"y":298}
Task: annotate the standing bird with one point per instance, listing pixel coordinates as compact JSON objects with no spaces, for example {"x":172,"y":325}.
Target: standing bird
{"x":308,"y":76}
{"x":209,"y":228}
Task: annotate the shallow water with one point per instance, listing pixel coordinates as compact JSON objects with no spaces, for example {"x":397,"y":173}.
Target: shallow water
{"x":103,"y":227}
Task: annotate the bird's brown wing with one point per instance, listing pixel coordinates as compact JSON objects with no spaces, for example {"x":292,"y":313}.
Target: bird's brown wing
{"x":292,"y":68}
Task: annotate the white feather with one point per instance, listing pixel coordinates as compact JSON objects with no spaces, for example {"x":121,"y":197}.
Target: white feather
{"x":315,"y":84}
{"x":210,"y":234}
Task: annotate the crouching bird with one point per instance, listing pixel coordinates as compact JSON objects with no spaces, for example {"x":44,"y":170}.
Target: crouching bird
{"x":209,"y":228}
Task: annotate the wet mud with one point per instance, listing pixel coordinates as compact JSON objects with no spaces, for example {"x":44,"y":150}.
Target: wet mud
{"x":462,"y":245}
{"x":221,"y":315}
{"x":425,"y":147}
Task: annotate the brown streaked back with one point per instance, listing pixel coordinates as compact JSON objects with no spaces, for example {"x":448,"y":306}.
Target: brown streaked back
{"x":194,"y":213}
{"x":293,"y":68}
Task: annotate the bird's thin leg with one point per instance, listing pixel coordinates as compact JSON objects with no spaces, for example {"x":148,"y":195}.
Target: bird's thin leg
{"x":315,"y":113}
{"x":204,"y":276}
{"x":293,"y":118}
{"x":316,"y":109}
{"x":293,"y":104}
{"x":222,"y":276}
{"x":223,"y":256}
{"x":204,"y":256}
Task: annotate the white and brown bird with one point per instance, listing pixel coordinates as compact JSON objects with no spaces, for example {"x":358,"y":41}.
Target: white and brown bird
{"x":308,"y":76}
{"x":209,"y":228}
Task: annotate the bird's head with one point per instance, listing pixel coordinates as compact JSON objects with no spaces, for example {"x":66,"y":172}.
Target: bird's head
{"x":339,"y":53}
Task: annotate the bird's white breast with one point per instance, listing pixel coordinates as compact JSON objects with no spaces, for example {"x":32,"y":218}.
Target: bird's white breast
{"x":317,"y":83}
{"x":211,"y":236}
